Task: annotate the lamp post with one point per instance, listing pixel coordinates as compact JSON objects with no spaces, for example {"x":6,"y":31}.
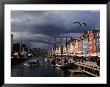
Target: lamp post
{"x":81,"y":25}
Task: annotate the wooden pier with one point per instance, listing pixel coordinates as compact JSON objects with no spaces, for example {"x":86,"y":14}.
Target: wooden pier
{"x":91,"y":69}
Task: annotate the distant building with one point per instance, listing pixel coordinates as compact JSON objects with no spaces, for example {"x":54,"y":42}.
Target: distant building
{"x":80,"y":45}
{"x":97,"y":41}
{"x":91,"y":42}
{"x":16,"y":47}
{"x":19,"y":47}
{"x":61,"y":49}
{"x":85,"y":44}
{"x":64,"y":49}
{"x":76,"y":46}
{"x":70,"y":46}
{"x":57,"y":50}
{"x":50,"y":52}
{"x":73,"y":47}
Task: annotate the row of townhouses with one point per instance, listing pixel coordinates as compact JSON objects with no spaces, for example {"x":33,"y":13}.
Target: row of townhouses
{"x":86,"y":44}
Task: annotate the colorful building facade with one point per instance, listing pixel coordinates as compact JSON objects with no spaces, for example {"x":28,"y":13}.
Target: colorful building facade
{"x":80,"y":45}
{"x":97,"y":42}
{"x":91,"y":42}
{"x":76,"y":46}
{"x":85,"y":44}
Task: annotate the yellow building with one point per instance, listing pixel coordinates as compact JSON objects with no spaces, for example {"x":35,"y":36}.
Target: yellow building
{"x":71,"y":48}
{"x":76,"y":46}
{"x":68,"y":48}
{"x":80,"y":45}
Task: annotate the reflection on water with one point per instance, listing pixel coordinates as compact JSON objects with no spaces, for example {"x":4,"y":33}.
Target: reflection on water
{"x":43,"y":70}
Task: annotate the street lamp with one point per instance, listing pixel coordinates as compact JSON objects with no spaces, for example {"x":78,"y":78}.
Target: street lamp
{"x":81,"y":25}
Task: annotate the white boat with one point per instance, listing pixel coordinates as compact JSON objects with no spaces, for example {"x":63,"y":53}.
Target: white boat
{"x":26,"y":64}
{"x":45,"y":59}
{"x":34,"y":61}
{"x":57,"y":65}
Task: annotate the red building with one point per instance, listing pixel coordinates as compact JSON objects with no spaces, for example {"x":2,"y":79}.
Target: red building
{"x":91,"y":42}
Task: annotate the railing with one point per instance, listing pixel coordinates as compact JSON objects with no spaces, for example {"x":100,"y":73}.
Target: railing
{"x":91,"y":70}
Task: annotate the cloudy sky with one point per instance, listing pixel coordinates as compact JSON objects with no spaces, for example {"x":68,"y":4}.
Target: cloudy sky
{"x":40,"y":28}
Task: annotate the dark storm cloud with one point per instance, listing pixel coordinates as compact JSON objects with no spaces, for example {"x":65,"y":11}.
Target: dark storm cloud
{"x":51,"y":24}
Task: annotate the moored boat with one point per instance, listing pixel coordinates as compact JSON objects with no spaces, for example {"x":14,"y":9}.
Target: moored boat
{"x":34,"y":61}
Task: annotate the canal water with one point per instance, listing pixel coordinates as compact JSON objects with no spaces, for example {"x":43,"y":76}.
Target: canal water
{"x":43,"y":70}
